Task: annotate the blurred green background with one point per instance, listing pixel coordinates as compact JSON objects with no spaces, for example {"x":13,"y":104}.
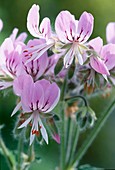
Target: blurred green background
{"x":14,"y":13}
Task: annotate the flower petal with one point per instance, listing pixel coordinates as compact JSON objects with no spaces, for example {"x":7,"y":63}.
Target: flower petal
{"x":56,"y":137}
{"x":4,"y":85}
{"x":45,"y":28}
{"x":51,"y":98}
{"x":53,"y":129}
{"x":79,"y":56}
{"x":110,"y":32}
{"x":22,"y":37}
{"x":108,"y":54}
{"x":33,"y":21}
{"x":1,"y":25}
{"x":34,"y":126}
{"x":14,"y":34}
{"x":96,"y":44}
{"x":40,"y":52}
{"x":18,"y":106}
{"x":68,"y":59}
{"x":20,"y":82}
{"x":43,"y":131}
{"x":98,"y":65}
{"x":65,"y":26}
{"x":26,"y":122}
{"x":85,"y":27}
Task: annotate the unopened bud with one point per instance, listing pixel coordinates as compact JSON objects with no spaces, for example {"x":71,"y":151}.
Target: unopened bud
{"x":85,"y":117}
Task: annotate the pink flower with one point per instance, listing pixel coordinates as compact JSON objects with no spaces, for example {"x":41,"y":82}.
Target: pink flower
{"x":10,"y":63}
{"x":74,"y":33}
{"x":97,"y":56}
{"x":43,"y":32}
{"x":37,"y":67}
{"x":110,"y":32}
{"x":38,"y":99}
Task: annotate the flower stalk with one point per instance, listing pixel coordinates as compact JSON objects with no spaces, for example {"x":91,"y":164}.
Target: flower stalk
{"x":9,"y":157}
{"x":100,"y":122}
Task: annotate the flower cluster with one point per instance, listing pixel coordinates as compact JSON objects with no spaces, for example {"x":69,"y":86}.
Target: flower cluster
{"x":30,"y":68}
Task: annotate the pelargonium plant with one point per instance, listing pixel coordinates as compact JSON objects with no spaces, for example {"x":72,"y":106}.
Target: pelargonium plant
{"x":53,"y":76}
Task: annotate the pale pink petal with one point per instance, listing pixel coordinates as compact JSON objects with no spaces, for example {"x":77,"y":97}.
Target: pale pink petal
{"x":6,"y":48}
{"x":1,"y":25}
{"x":65,"y":26}
{"x":22,"y":37}
{"x":68,"y":59}
{"x":37,"y":67}
{"x":56,"y":137}
{"x":20,"y":82}
{"x":40,"y":52}
{"x":105,"y":77}
{"x":108,"y":54}
{"x":37,"y":96}
{"x":85,"y":27}
{"x":45,"y":28}
{"x":13,"y":60}
{"x":96,"y":44}
{"x":79,"y":56}
{"x":52,"y":95}
{"x":18,"y":106}
{"x":45,"y":84}
{"x":42,"y":65}
{"x":98,"y":65}
{"x":26,"y":95}
{"x":5,"y":85}
{"x":33,"y":21}
{"x":32,"y":137}
{"x":34,"y":125}
{"x":32,"y":96}
{"x":53,"y":129}
{"x":26,"y":122}
{"x":110,"y":32}
{"x":43,"y":131}
{"x":52,"y":61}
{"x":14,"y":34}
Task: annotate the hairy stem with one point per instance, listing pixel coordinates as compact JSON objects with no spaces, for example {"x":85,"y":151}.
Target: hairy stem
{"x":62,"y":161}
{"x":20,"y":148}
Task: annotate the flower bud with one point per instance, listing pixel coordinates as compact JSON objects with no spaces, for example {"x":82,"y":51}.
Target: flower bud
{"x":85,"y":117}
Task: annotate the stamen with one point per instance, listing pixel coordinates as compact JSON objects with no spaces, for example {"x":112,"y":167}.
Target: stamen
{"x":35,"y":132}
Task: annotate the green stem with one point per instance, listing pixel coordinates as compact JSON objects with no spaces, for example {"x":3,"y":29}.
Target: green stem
{"x":69,"y":143}
{"x":7,"y":155}
{"x":63,"y":91}
{"x":62,"y":161}
{"x":20,"y":148}
{"x":31,"y":154}
{"x":74,"y":145}
{"x":100,"y":122}
{"x":67,"y":127}
{"x":74,"y":98}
